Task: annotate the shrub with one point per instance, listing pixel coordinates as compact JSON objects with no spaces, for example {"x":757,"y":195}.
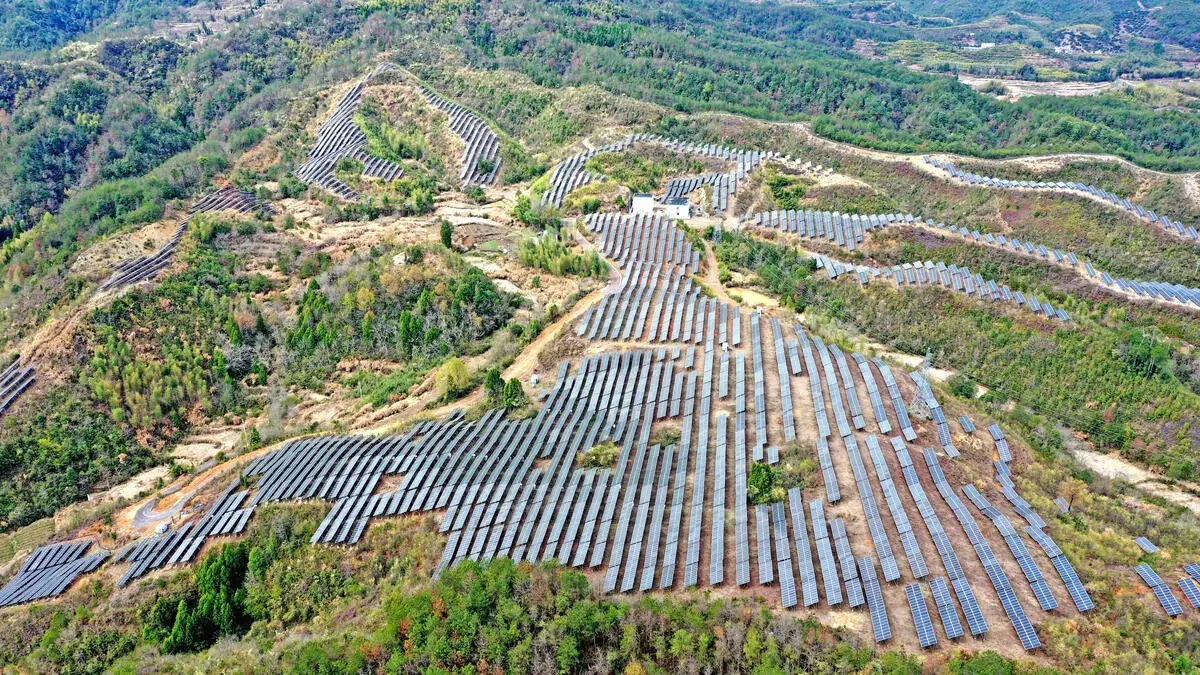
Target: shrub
{"x":963,"y":386}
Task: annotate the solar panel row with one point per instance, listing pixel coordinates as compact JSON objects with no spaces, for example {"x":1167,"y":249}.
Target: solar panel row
{"x":1008,"y":599}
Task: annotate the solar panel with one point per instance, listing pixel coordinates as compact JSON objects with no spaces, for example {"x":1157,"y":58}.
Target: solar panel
{"x":1167,"y":599}
{"x":1079,"y":595}
{"x":945,"y":606}
{"x":1148,"y":575}
{"x":1146,"y":545}
{"x":833,"y":590}
{"x":920,"y":613}
{"x":880,"y":625}
{"x":1193,"y":570}
{"x":970,"y":606}
{"x":1190,"y":590}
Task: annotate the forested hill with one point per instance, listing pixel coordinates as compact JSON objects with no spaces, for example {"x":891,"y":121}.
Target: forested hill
{"x":128,"y":107}
{"x":41,"y":24}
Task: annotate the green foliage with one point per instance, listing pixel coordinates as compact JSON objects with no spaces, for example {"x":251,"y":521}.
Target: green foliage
{"x":384,"y":139}
{"x":483,"y":615}
{"x":548,"y":253}
{"x":493,"y":387}
{"x":180,"y":365}
{"x":1144,"y":356}
{"x":417,"y":318}
{"x":454,"y":380}
{"x":643,"y":170}
{"x":57,"y":451}
{"x":38,"y":24}
{"x":215,"y":608}
{"x":446,"y":232}
{"x":89,"y":652}
{"x":984,"y":663}
{"x":761,"y":485}
{"x":273,"y":575}
{"x":786,"y":191}
{"x":962,"y":386}
{"x":536,"y":216}
{"x":514,"y":395}
{"x":601,"y":456}
{"x":783,"y":271}
{"x":518,"y":165}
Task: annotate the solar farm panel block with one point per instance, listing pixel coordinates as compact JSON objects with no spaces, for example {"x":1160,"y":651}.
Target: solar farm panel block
{"x":1191,"y":590}
{"x":920,"y":613}
{"x":946,"y":608}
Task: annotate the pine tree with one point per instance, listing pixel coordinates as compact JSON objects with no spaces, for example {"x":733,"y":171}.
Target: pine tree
{"x":514,"y":395}
{"x":493,"y":386}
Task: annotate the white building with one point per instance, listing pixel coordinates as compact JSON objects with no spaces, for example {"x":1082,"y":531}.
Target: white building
{"x":642,"y":203}
{"x":677,"y":208}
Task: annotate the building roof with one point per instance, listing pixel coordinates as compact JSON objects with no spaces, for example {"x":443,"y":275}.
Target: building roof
{"x":643,"y":195}
{"x":676,"y":201}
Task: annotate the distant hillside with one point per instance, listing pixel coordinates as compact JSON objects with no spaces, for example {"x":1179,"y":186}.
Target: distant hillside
{"x":1169,"y":21}
{"x":40,"y":24}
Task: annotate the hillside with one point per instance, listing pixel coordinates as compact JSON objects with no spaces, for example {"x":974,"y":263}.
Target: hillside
{"x":343,"y":337}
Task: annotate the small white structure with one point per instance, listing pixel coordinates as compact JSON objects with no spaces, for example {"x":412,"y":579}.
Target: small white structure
{"x":677,"y":208}
{"x":642,"y":203}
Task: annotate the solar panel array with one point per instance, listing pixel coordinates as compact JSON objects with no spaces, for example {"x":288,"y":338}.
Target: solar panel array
{"x":481,"y":146}
{"x":828,"y":473}
{"x":829,"y":572}
{"x":14,"y":380}
{"x":1008,"y":597}
{"x":785,"y":382}
{"x":228,"y":198}
{"x":572,"y":173}
{"x":873,"y":393}
{"x":1146,"y":545}
{"x":723,"y":186}
{"x":1191,"y":591}
{"x":227,"y":516}
{"x":514,"y":488}
{"x":935,"y":410}
{"x":1176,"y":294}
{"x":945,"y":606}
{"x":1100,"y":194}
{"x":912,"y":550}
{"x":950,"y":277}
{"x":941,"y":540}
{"x":808,"y":574}
{"x":1033,"y":574}
{"x":339,"y":138}
{"x":760,"y":391}
{"x":783,"y":556}
{"x":49,"y":571}
{"x":741,"y":470}
{"x":848,"y":231}
{"x":870,"y":507}
{"x":764,"y":531}
{"x":880,"y":626}
{"x":893,"y":389}
{"x":657,"y":300}
{"x":920,"y":613}
{"x":1161,"y":590}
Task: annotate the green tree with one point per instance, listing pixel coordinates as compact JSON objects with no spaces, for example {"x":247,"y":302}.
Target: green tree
{"x":493,"y":387}
{"x":963,"y":386}
{"x":514,"y":394}
{"x":447,"y":233}
{"x":761,"y":483}
{"x":453,"y":378}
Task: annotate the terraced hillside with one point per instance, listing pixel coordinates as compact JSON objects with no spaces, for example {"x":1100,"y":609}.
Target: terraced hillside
{"x":449,"y":365}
